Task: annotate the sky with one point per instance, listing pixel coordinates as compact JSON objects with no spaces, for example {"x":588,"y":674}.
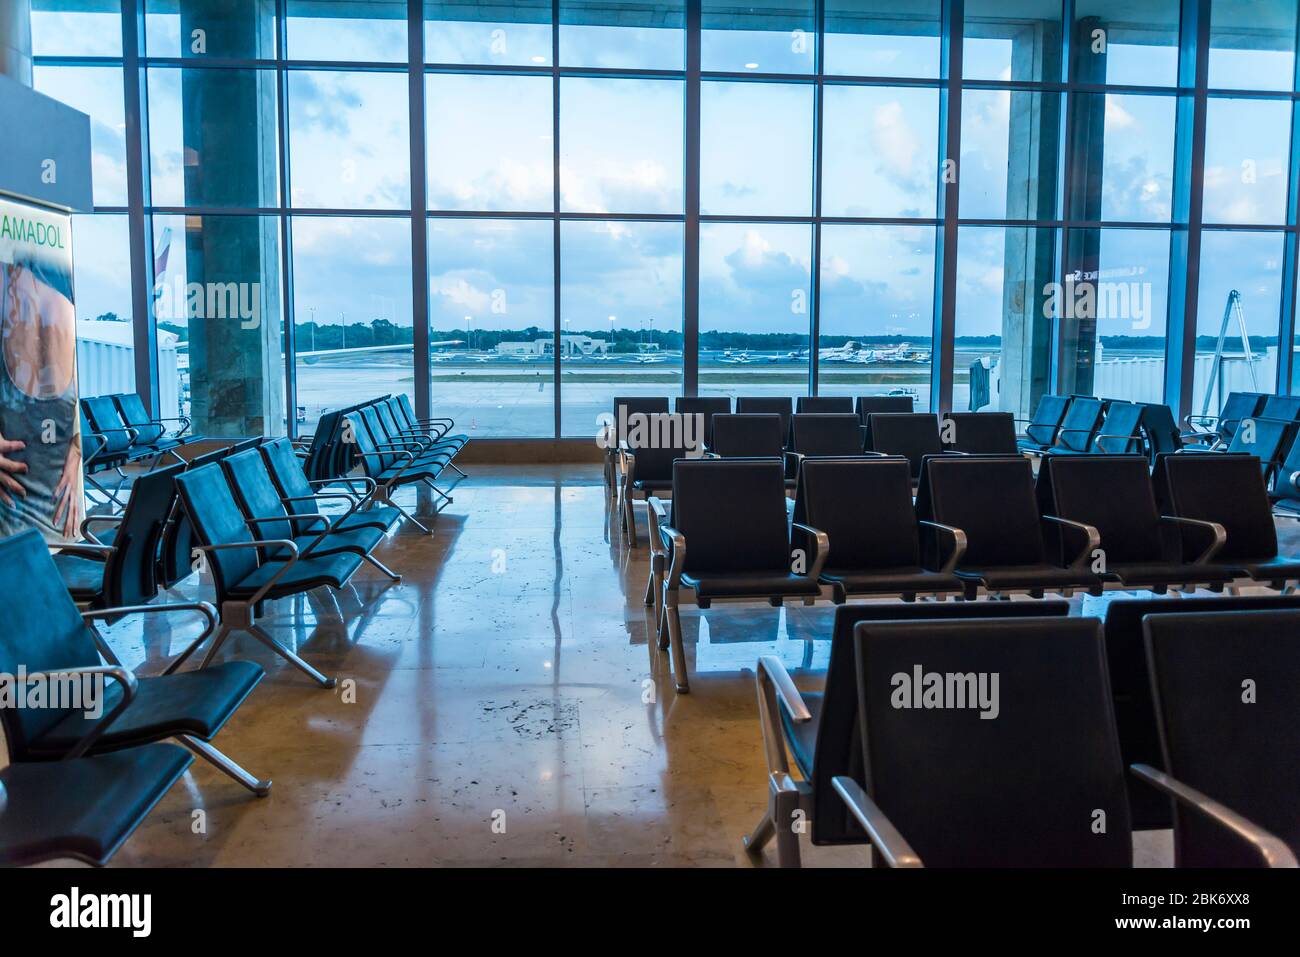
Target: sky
{"x":490,"y":148}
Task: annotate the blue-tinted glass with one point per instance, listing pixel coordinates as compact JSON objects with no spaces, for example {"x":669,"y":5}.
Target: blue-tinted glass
{"x":1018,"y":40}
{"x":882,"y":38}
{"x":622,"y":34}
{"x":200,"y":29}
{"x":1135,"y":180}
{"x":514,"y":33}
{"x":1132,"y":42}
{"x":762,"y":37}
{"x":360,"y":30}
{"x":756,"y":148}
{"x":97,"y":92}
{"x":1252,"y":44}
{"x":1247,"y":143}
{"x":76,"y":28}
{"x":880,"y":151}
{"x":101,"y":245}
{"x":1008,"y":165}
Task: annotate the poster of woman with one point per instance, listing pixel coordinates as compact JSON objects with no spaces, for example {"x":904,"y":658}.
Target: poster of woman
{"x":40,"y":435}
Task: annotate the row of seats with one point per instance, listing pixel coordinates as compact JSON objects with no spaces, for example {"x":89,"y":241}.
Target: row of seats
{"x":1197,"y":698}
{"x":979,"y":524}
{"x":252,"y":515}
{"x":116,"y":430}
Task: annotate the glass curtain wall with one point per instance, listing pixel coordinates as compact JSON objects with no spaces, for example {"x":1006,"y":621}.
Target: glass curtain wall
{"x":514,"y":212}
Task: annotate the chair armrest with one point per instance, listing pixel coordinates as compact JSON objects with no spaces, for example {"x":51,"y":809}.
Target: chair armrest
{"x":1220,"y":535}
{"x":270,"y":543}
{"x":1128,"y":440}
{"x":90,"y":520}
{"x":119,"y":674}
{"x":776,"y":691}
{"x":1092,"y":544}
{"x":205,"y":608}
{"x":679,"y":556}
{"x":1294,"y":479}
{"x":771,"y":671}
{"x":83,"y":549}
{"x":1272,"y":850}
{"x":885,"y":838}
{"x":291,"y":518}
{"x":958,"y":544}
{"x":823,"y":544}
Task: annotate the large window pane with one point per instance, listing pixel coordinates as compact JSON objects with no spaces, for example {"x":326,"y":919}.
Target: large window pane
{"x":779,"y":36}
{"x":1111,"y":310}
{"x":622,"y":34}
{"x":212,"y":137}
{"x":1252,"y":44}
{"x":1133,"y":42}
{"x":489,"y":142}
{"x":1008,"y":163}
{"x":97,"y":92}
{"x":511,"y":33}
{"x":1247,"y":143}
{"x":621,"y":282}
{"x":491,"y":303}
{"x":1003,"y":333}
{"x":210,"y":28}
{"x":351,"y":311}
{"x":1012,"y":40}
{"x":1126,"y":173}
{"x":754,"y":312}
{"x":620,"y":145}
{"x":877,"y":308}
{"x":1251,"y":264}
{"x":880,"y":151}
{"x":756,"y":149}
{"x":217,"y":307}
{"x":76,"y":28}
{"x":101,"y":276}
{"x":348,"y":140}
{"x":359,"y":30}
{"x":882,"y":38}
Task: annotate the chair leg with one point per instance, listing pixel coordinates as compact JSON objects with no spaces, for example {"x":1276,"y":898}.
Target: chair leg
{"x":784,"y":806}
{"x":383,"y":568}
{"x":223,"y":764}
{"x":661,"y":621}
{"x":412,"y":519}
{"x":649,"y":590}
{"x":763,"y":832}
{"x":678,"y":652}
{"x":629,"y":518}
{"x":257,"y":632}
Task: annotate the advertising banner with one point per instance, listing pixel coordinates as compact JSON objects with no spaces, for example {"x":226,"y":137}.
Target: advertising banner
{"x":40,"y":435}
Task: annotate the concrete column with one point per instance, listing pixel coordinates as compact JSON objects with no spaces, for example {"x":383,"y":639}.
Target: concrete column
{"x":16,"y":40}
{"x":236,"y":370}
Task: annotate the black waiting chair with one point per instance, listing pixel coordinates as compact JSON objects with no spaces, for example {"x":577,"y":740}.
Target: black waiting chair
{"x":243,"y":579}
{"x":1040,"y":783}
{"x":303,"y":496}
{"x":980,"y":433}
{"x":821,"y":731}
{"x":748,"y":435}
{"x":864,"y":505}
{"x":1080,"y":425}
{"x":106,"y":419}
{"x":646,"y":463}
{"x":46,"y":633}
{"x":1119,"y":432}
{"x":913,"y":435}
{"x":991,"y":500}
{"x":83,"y":809}
{"x":727,"y":538}
{"x":105,"y":449}
{"x":1161,"y":434}
{"x":1285,"y":493}
{"x":768,"y":404}
{"x":1227,"y":692}
{"x":151,"y":431}
{"x":823,"y":404}
{"x":436,"y":427}
{"x":706,"y":407}
{"x":1130,"y":684}
{"x":1220,"y":428}
{"x":616,"y":432}
{"x":392,"y":466}
{"x":176,"y":556}
{"x":1266,"y":439}
{"x":867,"y":404}
{"x":1227,"y":495}
{"x":1041,"y":430}
{"x":426,"y":442}
{"x":815,"y":434}
{"x":1140,"y":548}
{"x":1284,"y":407}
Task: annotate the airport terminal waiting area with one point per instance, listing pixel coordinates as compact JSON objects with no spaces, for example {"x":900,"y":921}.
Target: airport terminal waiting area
{"x":748,"y":632}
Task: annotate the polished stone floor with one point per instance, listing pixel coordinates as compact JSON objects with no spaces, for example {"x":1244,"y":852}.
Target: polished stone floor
{"x":500,"y":706}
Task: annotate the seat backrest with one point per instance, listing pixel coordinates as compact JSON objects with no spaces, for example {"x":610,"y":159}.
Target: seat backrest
{"x":1130,"y":684}
{"x":748,"y":435}
{"x":175,"y":559}
{"x":1238,"y":406}
{"x":1112,"y":493}
{"x":823,"y":404}
{"x":317,"y":465}
{"x":1230,"y":490}
{"x":384,"y":414}
{"x":41,"y":632}
{"x":864,"y":505}
{"x":369,"y":439}
{"x":1160,"y":428}
{"x":256,"y":494}
{"x":982,"y":433}
{"x":132,"y":574}
{"x":839,"y":739}
{"x":866,"y":404}
{"x":1121,"y":430}
{"x":732,"y":512}
{"x":911,"y":434}
{"x":705,"y":406}
{"x":663,"y":440}
{"x":1080,"y":424}
{"x":991,"y":499}
{"x":826,"y":434}
{"x":290,"y":480}
{"x":106,"y":421}
{"x":626,"y":406}
{"x":1267,"y":439}
{"x":1227,"y":692}
{"x":217,"y":519}
{"x":408,"y":411}
{"x":1284,"y":489}
{"x":1046,"y":422}
{"x":1285,"y":407}
{"x":782,"y":405}
{"x":991,"y":743}
{"x":94,"y":446}
{"x":132,"y":411}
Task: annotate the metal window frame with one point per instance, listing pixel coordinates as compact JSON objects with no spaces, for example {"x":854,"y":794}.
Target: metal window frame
{"x":1185,"y":229}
